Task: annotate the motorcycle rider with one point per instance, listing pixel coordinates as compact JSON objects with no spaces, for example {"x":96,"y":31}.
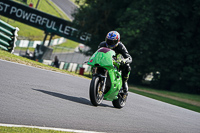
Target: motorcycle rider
{"x":113,"y":42}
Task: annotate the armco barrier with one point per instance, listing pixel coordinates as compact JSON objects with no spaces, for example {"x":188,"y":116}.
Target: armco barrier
{"x":8,"y":36}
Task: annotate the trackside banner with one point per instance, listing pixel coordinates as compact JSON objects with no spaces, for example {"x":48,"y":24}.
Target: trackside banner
{"x":41,"y":20}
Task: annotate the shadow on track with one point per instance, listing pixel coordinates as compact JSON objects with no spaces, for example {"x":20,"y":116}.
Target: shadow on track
{"x":70,"y":98}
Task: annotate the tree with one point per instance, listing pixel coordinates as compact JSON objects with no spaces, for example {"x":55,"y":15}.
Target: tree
{"x":98,"y":18}
{"x":165,"y":41}
{"x":161,"y":36}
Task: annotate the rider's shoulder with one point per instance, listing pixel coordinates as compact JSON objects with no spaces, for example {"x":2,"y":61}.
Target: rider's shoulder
{"x":121,"y":45}
{"x":102,"y":44}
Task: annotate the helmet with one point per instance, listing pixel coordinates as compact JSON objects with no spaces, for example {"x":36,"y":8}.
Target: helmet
{"x":112,"y":39}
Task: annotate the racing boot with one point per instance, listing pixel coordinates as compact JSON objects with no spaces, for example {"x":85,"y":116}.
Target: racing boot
{"x":125,"y":85}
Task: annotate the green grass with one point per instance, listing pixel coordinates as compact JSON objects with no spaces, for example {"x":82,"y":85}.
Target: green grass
{"x":26,"y":130}
{"x":188,"y":101}
{"x":18,"y":59}
{"x":69,"y":44}
{"x":4,"y":55}
{"x":24,"y":49}
{"x":175,"y":94}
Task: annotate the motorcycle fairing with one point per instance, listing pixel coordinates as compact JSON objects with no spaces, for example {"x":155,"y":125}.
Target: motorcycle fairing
{"x":116,"y":83}
{"x":102,"y":57}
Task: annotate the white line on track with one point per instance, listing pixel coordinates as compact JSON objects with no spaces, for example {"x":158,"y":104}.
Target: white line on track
{"x":49,"y":128}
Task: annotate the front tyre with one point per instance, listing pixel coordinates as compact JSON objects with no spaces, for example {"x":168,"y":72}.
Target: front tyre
{"x":120,"y":102}
{"x":96,"y":95}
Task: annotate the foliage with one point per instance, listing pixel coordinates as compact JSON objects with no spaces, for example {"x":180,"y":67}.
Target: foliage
{"x":161,"y":36}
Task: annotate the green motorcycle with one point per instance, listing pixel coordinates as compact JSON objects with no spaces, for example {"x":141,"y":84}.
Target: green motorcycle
{"x":106,"y":83}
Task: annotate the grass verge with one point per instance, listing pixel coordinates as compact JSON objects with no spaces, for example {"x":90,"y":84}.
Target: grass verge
{"x":69,"y":44}
{"x":4,"y":129}
{"x":188,"y":101}
{"x":18,"y":59}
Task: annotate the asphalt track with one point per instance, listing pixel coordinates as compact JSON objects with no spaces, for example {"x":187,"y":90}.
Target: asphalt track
{"x":67,"y":6}
{"x":37,"y":97}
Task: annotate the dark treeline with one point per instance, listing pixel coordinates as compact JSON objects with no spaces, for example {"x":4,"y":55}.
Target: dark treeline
{"x":163,"y":37}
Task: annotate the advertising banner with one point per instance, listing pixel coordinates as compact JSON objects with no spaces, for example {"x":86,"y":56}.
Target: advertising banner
{"x":41,"y":20}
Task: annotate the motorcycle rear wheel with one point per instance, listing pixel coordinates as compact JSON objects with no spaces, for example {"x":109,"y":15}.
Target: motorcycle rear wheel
{"x":120,"y":102}
{"x":96,"y":95}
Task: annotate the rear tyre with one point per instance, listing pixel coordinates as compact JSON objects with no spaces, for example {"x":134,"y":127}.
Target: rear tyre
{"x":96,"y":95}
{"x":120,"y":102}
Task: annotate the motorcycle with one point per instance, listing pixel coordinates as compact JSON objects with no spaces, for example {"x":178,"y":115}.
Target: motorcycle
{"x":106,"y":83}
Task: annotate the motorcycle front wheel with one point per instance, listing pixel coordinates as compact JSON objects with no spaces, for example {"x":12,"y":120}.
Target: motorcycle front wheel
{"x":96,"y":95}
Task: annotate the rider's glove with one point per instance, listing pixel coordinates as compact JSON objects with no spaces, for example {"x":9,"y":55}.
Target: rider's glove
{"x":127,"y":60}
{"x":124,"y":61}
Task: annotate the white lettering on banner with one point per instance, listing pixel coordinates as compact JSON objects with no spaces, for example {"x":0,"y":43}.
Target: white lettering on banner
{"x":43,"y":20}
{"x":52,"y":25}
{"x":60,"y":29}
{"x":85,"y":36}
{"x":38,"y":20}
{"x":67,"y":30}
{"x":1,"y":6}
{"x":73,"y":31}
{"x":32,"y":18}
{"x":13,"y":9}
{"x":6,"y":6}
{"x":19,"y":13}
{"x":26,"y":15}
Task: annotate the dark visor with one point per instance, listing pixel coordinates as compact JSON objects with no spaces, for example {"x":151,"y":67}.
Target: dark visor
{"x":110,"y":42}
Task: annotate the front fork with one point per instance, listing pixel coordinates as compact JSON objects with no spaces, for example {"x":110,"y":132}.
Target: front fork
{"x":104,"y":84}
{"x":103,"y":78}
